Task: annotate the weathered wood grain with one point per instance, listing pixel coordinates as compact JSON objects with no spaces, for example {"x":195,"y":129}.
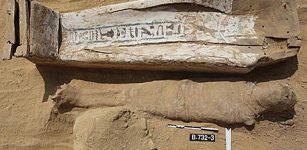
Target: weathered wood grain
{"x":220,"y":5}
{"x":10,"y":30}
{"x":189,"y":57}
{"x":24,"y":23}
{"x":276,"y":18}
{"x":176,"y":56}
{"x":44,"y":31}
{"x":148,"y":27}
{"x":147,"y":34}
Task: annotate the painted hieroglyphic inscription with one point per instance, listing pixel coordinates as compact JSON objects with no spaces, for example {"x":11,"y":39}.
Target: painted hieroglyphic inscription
{"x":133,"y":33}
{"x":208,"y":27}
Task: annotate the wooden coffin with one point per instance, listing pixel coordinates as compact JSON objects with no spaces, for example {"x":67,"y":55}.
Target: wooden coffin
{"x":232,"y":36}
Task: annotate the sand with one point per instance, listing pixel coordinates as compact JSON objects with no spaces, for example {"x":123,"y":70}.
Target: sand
{"x":28,"y":119}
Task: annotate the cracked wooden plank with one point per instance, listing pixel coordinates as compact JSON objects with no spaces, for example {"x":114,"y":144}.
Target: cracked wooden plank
{"x":276,"y":18}
{"x":10,"y":30}
{"x":44,"y":31}
{"x":136,"y":35}
{"x":24,"y":22}
{"x":220,"y":5}
{"x":97,"y":30}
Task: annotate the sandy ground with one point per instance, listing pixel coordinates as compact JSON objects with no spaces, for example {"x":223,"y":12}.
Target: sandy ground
{"x":27,"y":119}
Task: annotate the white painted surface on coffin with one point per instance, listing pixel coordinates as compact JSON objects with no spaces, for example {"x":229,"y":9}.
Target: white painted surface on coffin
{"x":196,"y":53}
{"x":155,"y":27}
{"x":221,"y":5}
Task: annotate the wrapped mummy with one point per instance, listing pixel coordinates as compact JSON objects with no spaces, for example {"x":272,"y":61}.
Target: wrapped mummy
{"x":218,"y":102}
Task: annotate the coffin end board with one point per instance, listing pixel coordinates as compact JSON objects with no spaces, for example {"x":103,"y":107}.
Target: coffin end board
{"x":44,"y":31}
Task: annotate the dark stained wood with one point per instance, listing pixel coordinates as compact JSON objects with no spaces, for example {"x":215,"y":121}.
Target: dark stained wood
{"x":44,"y":31}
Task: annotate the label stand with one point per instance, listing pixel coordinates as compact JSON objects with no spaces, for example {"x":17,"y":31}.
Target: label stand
{"x":228,"y":138}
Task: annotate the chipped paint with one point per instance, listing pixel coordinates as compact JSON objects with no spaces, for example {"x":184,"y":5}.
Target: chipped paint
{"x":157,"y":27}
{"x":230,"y":55}
{"x":126,"y":36}
{"x":221,"y":5}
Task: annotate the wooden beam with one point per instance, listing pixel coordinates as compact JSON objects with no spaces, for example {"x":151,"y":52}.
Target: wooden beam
{"x":10,"y":30}
{"x":24,"y":22}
